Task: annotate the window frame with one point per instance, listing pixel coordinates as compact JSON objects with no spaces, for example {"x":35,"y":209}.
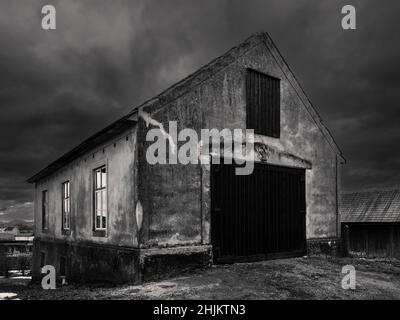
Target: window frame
{"x":63,"y":266}
{"x":42,"y":259}
{"x":66,"y":199}
{"x":272,"y":126}
{"x":45,"y":210}
{"x":100,"y":188}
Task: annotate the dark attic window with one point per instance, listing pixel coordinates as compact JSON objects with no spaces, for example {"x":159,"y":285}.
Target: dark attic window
{"x":263,"y":97}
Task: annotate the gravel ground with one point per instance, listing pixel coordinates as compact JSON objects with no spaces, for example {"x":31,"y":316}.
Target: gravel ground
{"x":298,"y":278}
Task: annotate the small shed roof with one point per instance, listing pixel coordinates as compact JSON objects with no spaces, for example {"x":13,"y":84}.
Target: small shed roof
{"x":371,"y":206}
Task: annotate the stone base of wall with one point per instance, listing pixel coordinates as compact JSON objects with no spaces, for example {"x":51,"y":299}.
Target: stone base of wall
{"x":326,"y":246}
{"x":19,"y":262}
{"x":169,"y":262}
{"x":87,"y":262}
{"x":101,"y":263}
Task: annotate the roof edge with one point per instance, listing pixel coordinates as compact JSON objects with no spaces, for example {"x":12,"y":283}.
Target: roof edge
{"x":308,"y":104}
{"x":99,"y":137}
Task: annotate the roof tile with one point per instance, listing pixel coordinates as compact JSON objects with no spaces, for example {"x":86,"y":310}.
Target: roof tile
{"x":371,"y":206}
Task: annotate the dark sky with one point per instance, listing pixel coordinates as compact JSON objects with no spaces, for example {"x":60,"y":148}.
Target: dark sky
{"x":58,"y":87}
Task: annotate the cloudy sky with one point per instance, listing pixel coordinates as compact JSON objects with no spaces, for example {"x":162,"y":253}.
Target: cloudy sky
{"x":58,"y":87}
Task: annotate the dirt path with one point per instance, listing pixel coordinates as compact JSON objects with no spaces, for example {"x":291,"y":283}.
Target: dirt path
{"x":300,"y":278}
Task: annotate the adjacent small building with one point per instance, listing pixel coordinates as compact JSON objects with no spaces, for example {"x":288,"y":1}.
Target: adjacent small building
{"x":15,"y":250}
{"x":8,"y":232}
{"x":104,"y":213}
{"x":371,"y":223}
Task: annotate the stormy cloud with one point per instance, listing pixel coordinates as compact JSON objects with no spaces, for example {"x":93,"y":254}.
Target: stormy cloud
{"x":105,"y":57}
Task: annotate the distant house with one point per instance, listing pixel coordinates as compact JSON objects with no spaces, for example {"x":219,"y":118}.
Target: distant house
{"x":10,"y":230}
{"x":8,"y":233}
{"x":371,"y":223}
{"x":15,"y":251}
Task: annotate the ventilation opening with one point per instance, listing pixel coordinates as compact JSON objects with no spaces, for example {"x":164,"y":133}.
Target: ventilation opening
{"x":62,"y":266}
{"x":42,"y":259}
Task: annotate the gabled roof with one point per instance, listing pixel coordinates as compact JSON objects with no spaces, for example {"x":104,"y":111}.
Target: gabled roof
{"x":371,"y":206}
{"x":220,"y":63}
{"x":185,"y":85}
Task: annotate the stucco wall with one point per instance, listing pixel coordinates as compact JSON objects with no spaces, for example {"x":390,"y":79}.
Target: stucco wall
{"x":119,"y":156}
{"x":176,"y":198}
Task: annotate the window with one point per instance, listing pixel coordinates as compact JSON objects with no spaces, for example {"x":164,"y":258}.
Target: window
{"x":263,"y":104}
{"x":63,"y":263}
{"x":42,"y":259}
{"x":66,"y":206}
{"x":100,"y":198}
{"x":45,"y":209}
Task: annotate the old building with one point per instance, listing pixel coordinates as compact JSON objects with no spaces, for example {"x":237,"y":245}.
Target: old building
{"x":371,"y":223}
{"x":103,"y":212}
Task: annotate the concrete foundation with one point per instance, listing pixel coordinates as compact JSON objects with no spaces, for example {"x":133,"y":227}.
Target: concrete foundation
{"x":328,"y":247}
{"x":93,"y":263}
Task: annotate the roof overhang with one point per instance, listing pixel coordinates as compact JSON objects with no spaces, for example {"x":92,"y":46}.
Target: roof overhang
{"x":95,"y":140}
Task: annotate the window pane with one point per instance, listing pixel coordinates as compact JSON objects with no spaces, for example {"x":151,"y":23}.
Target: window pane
{"x":104,"y":222}
{"x":100,"y":207}
{"x":103,"y":178}
{"x":68,"y":189}
{"x":44,"y":209}
{"x":98,"y":179}
{"x":97,"y":222}
{"x":98,"y":203}
{"x":104,"y":203}
{"x":66,"y":223}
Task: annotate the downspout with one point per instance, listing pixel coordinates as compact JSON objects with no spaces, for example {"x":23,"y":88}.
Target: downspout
{"x":337,"y":199}
{"x":340,"y":160}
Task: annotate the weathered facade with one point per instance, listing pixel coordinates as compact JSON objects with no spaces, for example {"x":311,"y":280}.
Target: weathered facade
{"x":159,"y":217}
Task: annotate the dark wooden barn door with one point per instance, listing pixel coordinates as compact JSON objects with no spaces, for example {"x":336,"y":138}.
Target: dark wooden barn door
{"x":258,"y":216}
{"x":372,"y":240}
